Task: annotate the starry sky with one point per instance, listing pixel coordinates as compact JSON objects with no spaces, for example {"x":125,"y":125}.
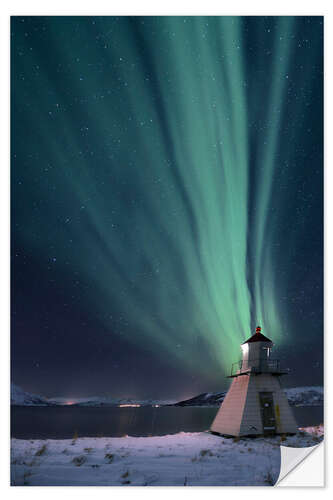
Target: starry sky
{"x":166,"y":197}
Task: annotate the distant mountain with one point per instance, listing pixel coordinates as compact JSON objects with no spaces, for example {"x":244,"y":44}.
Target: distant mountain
{"x":19,"y":397}
{"x":94,"y":402}
{"x":305,"y":396}
{"x":120,"y":402}
{"x":205,"y":399}
{"x":297,"y":396}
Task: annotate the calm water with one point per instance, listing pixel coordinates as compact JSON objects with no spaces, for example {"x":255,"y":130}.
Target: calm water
{"x":62,"y":422}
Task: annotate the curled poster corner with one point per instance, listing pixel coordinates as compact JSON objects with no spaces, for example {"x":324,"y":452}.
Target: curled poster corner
{"x":302,"y":466}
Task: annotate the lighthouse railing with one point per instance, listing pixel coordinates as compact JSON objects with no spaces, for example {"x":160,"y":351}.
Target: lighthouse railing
{"x":256,"y":366}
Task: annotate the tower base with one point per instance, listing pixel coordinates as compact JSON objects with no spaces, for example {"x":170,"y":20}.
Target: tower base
{"x":255,"y":405}
{"x":253,"y":436}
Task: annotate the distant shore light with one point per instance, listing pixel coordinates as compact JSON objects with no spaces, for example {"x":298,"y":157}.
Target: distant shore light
{"x":129,"y":405}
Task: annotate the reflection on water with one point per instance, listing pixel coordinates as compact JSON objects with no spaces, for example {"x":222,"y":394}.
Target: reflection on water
{"x":62,"y":422}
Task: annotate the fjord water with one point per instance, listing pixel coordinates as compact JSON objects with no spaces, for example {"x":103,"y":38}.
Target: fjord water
{"x":63,"y":422}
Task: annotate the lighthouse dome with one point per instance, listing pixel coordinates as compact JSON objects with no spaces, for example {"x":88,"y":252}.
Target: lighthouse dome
{"x":257,"y":337}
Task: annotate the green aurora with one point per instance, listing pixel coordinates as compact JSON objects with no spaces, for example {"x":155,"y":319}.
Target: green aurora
{"x":164,"y":148}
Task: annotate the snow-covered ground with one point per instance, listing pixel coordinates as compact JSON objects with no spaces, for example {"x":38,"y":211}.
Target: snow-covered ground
{"x":191,"y":459}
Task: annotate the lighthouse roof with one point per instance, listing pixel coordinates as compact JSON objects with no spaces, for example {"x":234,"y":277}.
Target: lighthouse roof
{"x":258,"y":337}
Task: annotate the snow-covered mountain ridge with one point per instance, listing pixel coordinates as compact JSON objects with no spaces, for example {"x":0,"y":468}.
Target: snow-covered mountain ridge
{"x":297,"y":396}
{"x":305,"y":396}
{"x":20,"y":397}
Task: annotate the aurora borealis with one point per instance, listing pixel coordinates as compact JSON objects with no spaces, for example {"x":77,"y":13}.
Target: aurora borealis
{"x":166,"y":198}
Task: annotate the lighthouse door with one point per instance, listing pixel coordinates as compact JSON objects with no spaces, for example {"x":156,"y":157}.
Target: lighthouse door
{"x":267,"y":412}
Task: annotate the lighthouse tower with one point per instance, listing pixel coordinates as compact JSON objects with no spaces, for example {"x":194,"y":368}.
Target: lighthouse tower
{"x":255,"y":403}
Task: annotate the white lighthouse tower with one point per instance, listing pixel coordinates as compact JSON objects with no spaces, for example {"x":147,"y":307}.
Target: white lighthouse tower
{"x":255,"y":403}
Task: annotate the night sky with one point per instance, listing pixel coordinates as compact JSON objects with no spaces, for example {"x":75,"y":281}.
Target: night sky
{"x":166,"y":196}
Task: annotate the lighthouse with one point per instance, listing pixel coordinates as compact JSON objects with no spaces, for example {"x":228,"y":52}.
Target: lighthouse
{"x":255,"y":403}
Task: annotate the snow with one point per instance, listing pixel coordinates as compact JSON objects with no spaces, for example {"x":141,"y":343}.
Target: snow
{"x":19,"y":397}
{"x":305,"y":396}
{"x":316,"y":430}
{"x":192,"y":459}
{"x":297,"y":396}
